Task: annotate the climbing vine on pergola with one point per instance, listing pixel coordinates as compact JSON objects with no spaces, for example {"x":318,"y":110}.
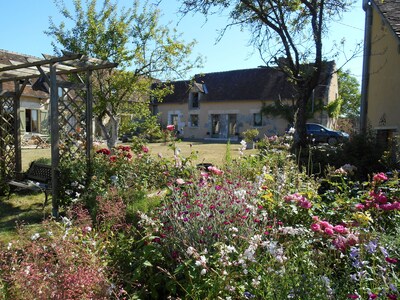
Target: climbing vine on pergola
{"x":67,"y":79}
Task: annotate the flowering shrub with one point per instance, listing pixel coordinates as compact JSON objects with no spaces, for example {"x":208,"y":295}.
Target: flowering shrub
{"x":257,"y":228}
{"x":61,"y":263}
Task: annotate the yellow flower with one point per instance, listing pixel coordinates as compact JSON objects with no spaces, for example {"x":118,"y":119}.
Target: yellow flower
{"x":363,"y":218}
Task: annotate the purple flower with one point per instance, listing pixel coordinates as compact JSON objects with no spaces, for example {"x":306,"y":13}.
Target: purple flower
{"x":371,"y":246}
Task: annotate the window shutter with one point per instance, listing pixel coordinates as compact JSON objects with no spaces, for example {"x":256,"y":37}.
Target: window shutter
{"x":22,"y":120}
{"x":43,"y":121}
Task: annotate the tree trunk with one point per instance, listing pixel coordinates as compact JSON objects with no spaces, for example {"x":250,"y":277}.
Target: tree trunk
{"x":109,"y":130}
{"x":300,"y":136}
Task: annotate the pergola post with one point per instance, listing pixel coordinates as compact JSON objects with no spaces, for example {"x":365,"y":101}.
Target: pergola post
{"x":55,"y":139}
{"x":89,"y":117}
{"x":17,"y":130}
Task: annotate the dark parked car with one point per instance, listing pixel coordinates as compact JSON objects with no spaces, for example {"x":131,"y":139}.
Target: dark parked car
{"x":127,"y":137}
{"x":321,"y":134}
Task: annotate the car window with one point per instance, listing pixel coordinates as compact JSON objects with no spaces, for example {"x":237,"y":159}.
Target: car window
{"x":313,"y":127}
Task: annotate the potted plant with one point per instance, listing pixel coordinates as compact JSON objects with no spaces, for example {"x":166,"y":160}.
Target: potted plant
{"x":249,"y":136}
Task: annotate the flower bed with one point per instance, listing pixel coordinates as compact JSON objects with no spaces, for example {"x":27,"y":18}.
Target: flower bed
{"x":257,"y":228}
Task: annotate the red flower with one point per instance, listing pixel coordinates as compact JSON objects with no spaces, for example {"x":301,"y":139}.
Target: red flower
{"x":113,"y":158}
{"x":391,"y":260}
{"x":352,"y":296}
{"x":145,"y":149}
{"x":124,"y":148}
{"x":104,"y":151}
{"x":171,"y":127}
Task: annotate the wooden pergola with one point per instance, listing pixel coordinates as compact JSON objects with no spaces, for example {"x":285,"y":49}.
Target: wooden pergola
{"x":70,"y":113}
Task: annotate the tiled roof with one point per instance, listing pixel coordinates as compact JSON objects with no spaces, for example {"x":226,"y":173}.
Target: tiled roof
{"x":390,"y":9}
{"x":263,"y":83}
{"x":5,"y":58}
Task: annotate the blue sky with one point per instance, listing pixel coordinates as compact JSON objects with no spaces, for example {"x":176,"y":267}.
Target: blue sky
{"x":23,"y":23}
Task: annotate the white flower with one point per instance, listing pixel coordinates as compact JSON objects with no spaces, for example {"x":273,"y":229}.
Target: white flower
{"x":35,"y":236}
{"x":66,"y":221}
{"x":27,"y":270}
{"x":230,"y":249}
{"x":9,"y":246}
{"x":203,"y":272}
{"x":190,"y":251}
{"x":180,"y":181}
{"x":291,"y":130}
{"x":256,"y":281}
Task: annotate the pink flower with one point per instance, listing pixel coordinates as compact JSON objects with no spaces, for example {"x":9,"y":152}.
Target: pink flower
{"x":325,"y":224}
{"x":396,"y":205}
{"x":305,"y":203}
{"x":392,"y":296}
{"x":352,"y":296}
{"x":380,"y":177}
{"x":380,"y":197}
{"x":340,"y":229}
{"x":315,"y":218}
{"x":360,"y":206}
{"x":315,"y":227}
{"x":351,"y":240}
{"x":215,"y":170}
{"x":170,"y":127}
{"x":328,"y":231}
{"x":340,"y":243}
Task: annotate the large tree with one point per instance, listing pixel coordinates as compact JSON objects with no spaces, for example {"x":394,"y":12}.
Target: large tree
{"x":131,"y":37}
{"x":349,"y":91}
{"x":288,"y":33}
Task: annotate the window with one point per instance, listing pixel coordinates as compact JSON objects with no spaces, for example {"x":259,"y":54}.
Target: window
{"x":232,"y":121}
{"x":174,"y":120}
{"x":31,"y":120}
{"x":215,"y":126}
{"x":194,"y":100}
{"x":194,"y":120}
{"x":257,"y":120}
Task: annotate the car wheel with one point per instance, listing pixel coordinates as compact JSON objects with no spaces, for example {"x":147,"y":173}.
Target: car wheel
{"x":332,"y":141}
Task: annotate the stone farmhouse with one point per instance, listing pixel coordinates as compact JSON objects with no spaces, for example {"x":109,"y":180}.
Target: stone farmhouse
{"x":222,"y":105}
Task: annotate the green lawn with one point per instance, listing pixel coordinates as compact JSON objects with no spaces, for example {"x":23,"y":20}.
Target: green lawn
{"x":206,"y":152}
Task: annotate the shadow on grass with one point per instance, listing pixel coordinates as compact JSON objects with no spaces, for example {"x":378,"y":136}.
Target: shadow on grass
{"x":21,"y":208}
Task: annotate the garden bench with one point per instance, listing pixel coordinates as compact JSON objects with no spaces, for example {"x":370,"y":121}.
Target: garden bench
{"x":37,"y":178}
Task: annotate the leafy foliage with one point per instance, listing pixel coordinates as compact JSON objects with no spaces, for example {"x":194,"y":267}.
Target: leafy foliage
{"x":135,"y":40}
{"x":349,"y":91}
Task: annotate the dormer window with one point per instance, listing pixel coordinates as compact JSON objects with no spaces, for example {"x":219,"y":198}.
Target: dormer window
{"x":194,"y":100}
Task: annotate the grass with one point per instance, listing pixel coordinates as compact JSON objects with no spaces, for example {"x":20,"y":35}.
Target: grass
{"x":26,"y":208}
{"x":21,"y":208}
{"x":206,"y":152}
